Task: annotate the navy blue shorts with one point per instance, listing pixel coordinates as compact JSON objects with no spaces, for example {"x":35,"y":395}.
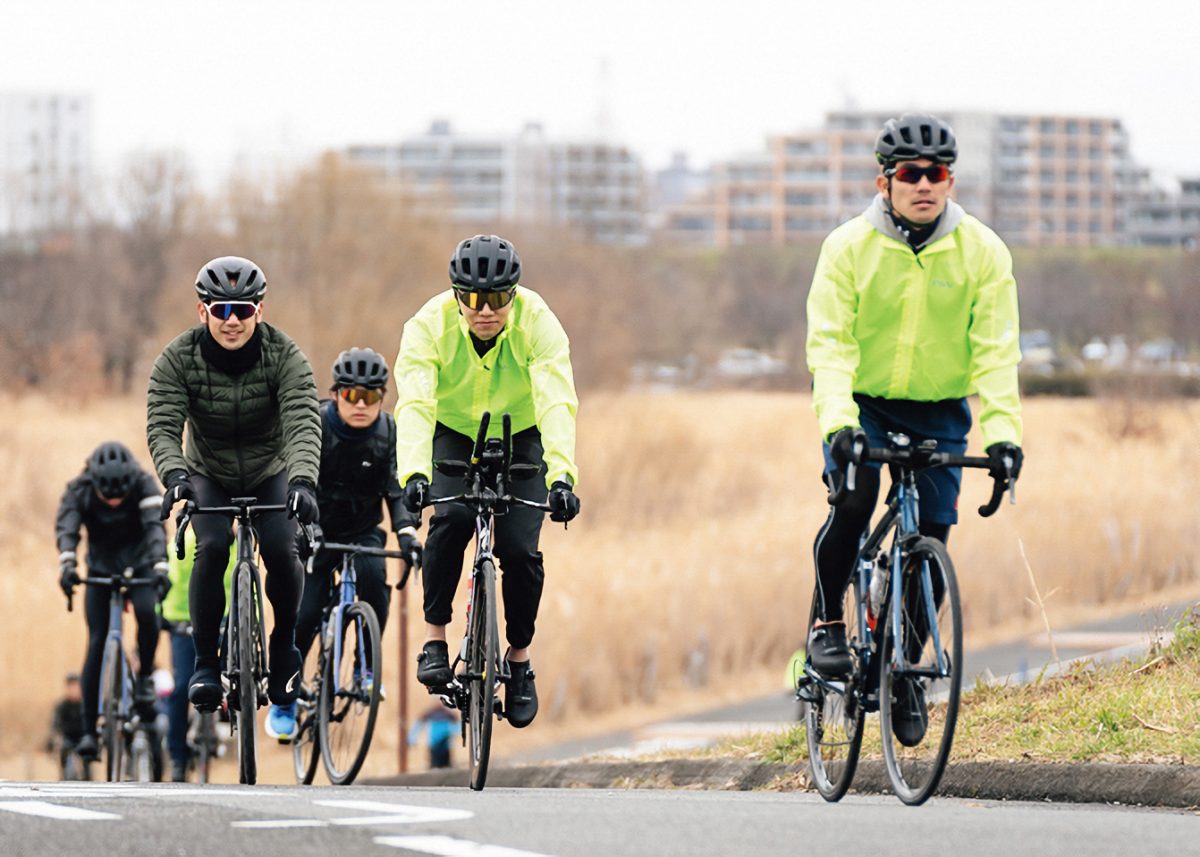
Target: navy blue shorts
{"x":947,"y":422}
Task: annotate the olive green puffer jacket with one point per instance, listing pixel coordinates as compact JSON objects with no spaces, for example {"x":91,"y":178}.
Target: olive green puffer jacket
{"x":243,"y":428}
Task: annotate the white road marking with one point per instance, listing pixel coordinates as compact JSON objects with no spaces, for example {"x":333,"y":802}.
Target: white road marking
{"x":272,"y":823}
{"x":444,"y":846}
{"x":53,"y":810}
{"x":395,"y":813}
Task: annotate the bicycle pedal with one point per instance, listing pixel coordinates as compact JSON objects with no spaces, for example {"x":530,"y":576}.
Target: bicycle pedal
{"x":805,"y":690}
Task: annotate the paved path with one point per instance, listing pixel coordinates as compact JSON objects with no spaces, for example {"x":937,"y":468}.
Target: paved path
{"x":48,"y":820}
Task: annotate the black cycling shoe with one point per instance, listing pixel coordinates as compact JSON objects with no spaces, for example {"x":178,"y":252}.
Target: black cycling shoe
{"x":144,"y":697}
{"x":433,"y":664}
{"x":283,"y":682}
{"x":910,"y":717}
{"x":204,"y":690}
{"x":178,"y":772}
{"x":87,"y":748}
{"x":829,"y":652}
{"x":520,"y":695}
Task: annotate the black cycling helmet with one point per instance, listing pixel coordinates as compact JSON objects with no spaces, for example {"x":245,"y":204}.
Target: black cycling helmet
{"x":112,"y":469}
{"x":485,"y":263}
{"x":914,"y":136}
{"x":360,"y":367}
{"x":231,"y":278}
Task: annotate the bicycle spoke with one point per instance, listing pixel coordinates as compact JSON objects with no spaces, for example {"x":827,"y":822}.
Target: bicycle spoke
{"x":919,"y":696}
{"x":349,"y":700}
{"x":833,"y":719}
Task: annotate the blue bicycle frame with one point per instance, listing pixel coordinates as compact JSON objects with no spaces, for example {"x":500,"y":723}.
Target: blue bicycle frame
{"x":348,"y":587}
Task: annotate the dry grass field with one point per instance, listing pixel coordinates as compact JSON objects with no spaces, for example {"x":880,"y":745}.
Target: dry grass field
{"x":687,"y":578}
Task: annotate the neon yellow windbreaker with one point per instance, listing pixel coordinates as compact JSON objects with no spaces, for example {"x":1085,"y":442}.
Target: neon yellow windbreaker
{"x":527,"y":373}
{"x":943,"y":324}
{"x":175,"y":605}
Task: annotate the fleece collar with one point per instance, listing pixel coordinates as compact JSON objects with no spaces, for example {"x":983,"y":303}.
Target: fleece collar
{"x":877,"y":215}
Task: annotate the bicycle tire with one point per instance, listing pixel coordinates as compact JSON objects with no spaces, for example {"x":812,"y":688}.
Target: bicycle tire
{"x":112,"y":684}
{"x":207,"y":740}
{"x":306,"y":746}
{"x":141,"y":761}
{"x":916,"y":768}
{"x":833,"y":722}
{"x":244,"y":662}
{"x":481,"y":665}
{"x":348,"y":707}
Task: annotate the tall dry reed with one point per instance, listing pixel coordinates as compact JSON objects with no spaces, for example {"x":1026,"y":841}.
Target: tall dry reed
{"x":691,"y":564}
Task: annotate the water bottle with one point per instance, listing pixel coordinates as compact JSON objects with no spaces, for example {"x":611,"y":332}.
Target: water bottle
{"x":877,"y":589}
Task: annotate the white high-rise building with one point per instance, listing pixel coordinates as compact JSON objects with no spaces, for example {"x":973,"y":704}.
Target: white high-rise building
{"x":592,"y":186}
{"x":45,"y":160}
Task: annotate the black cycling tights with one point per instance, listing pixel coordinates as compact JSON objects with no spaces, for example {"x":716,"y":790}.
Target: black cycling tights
{"x":837,"y":542}
{"x":276,"y":546}
{"x":96,"y":603}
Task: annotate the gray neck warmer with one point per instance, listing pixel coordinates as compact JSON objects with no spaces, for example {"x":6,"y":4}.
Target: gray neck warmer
{"x":878,"y":216}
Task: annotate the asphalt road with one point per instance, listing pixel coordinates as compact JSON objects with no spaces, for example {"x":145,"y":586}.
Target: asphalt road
{"x":47,"y":820}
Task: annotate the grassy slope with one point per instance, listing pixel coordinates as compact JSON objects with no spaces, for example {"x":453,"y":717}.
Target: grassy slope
{"x":1134,"y":711}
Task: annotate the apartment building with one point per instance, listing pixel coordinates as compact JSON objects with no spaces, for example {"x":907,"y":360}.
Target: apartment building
{"x":1166,"y":219}
{"x":45,"y":160}
{"x":593,"y":186}
{"x":1039,"y":180}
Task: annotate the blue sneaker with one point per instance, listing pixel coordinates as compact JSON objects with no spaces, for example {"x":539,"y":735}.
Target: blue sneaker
{"x":369,"y":685}
{"x":281,"y":722}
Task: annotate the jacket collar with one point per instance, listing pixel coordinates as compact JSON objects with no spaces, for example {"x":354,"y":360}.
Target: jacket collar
{"x":879,"y":218}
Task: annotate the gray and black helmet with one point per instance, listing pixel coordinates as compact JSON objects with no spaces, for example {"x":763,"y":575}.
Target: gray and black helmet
{"x":230,"y":278}
{"x":360,"y":367}
{"x":113,"y":469}
{"x":914,"y":136}
{"x":485,"y":263}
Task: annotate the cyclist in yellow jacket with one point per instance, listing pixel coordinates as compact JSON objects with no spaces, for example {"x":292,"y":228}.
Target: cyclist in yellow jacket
{"x":487,"y":344}
{"x":913,"y":307}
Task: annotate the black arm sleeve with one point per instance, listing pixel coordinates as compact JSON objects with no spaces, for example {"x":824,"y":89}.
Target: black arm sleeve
{"x":68,"y":521}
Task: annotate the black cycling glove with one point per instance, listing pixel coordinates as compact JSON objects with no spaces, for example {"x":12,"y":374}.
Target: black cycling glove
{"x":564,"y":505}
{"x":996,"y":454}
{"x":842,"y":443}
{"x":416,"y":492}
{"x":302,"y":502}
{"x":179,"y":487}
{"x":68,"y":577}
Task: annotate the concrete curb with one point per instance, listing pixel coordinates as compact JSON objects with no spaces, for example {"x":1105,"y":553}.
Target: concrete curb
{"x":1147,"y":785}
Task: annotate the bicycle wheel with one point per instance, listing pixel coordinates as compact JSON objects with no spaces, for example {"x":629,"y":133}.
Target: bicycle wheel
{"x":833,"y":719}
{"x":350,"y":695}
{"x":244,"y":661}
{"x":481,"y":673}
{"x":918,"y":702}
{"x":112,"y":684}
{"x":206,"y":745}
{"x":306,"y":745}
{"x":142,"y":763}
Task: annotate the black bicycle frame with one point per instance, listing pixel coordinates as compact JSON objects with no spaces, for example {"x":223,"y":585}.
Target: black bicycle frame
{"x":488,"y":474}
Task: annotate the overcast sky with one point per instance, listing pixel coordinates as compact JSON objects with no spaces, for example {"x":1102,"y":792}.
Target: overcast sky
{"x":270,"y":79}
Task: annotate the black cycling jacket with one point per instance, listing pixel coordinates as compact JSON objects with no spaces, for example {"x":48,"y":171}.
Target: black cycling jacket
{"x":134,"y":523}
{"x":358,"y":470}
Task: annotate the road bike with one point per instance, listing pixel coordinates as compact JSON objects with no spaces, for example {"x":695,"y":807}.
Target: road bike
{"x":904,"y":628}
{"x":479,"y":667}
{"x":243,"y":649}
{"x":204,"y":745}
{"x":131,"y":745}
{"x":336,"y":710}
